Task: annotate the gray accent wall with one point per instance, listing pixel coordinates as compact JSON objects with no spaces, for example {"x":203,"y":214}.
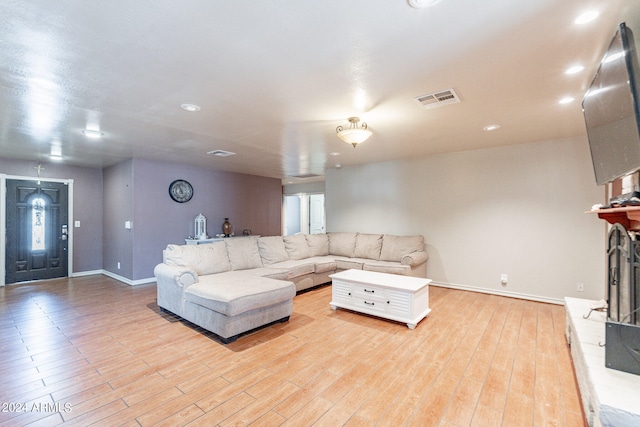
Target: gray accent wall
{"x":118,"y":207}
{"x":87,"y":199}
{"x":138,"y":191}
{"x":517,"y":210}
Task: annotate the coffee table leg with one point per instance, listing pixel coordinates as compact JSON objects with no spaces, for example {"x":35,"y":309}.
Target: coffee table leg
{"x":411,"y":325}
{"x":333,"y":307}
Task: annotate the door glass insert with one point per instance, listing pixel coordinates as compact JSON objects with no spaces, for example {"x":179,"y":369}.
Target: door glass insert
{"x":37,"y":224}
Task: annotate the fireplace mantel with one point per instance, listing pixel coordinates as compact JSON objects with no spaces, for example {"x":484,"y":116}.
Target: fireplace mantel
{"x":627,"y":216}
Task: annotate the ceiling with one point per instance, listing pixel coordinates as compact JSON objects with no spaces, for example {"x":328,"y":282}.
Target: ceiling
{"x":273,"y":79}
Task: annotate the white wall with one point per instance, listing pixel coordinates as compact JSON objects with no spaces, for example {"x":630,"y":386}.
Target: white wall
{"x":517,"y":210}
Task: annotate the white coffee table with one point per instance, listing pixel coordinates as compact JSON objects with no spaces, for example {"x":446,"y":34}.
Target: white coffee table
{"x":390,"y":296}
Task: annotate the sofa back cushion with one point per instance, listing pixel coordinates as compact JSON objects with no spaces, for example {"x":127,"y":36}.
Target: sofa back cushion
{"x":394,"y":247}
{"x":243,"y":253}
{"x":272,"y":250}
{"x":296,"y":246}
{"x":318,"y":244}
{"x":368,"y":246}
{"x":342,"y":244}
{"x":209,"y":258}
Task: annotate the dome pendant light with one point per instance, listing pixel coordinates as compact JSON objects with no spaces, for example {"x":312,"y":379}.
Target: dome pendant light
{"x":354,"y":135}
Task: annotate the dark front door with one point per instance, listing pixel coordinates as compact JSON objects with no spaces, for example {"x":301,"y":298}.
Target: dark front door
{"x":37,"y":230}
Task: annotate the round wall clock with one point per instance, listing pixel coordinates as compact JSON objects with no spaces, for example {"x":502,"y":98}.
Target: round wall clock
{"x":180,"y":191}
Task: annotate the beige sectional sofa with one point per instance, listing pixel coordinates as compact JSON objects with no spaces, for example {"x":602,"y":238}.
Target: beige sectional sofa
{"x":243,"y":283}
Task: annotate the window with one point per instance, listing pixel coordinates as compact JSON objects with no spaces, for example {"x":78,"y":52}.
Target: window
{"x":38,"y":220}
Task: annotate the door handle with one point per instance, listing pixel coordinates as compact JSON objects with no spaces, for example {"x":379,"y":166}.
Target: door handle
{"x":64,"y":233}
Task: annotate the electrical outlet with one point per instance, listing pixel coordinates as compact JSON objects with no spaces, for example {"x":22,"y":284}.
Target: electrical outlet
{"x":504,"y":278}
{"x":580,"y":287}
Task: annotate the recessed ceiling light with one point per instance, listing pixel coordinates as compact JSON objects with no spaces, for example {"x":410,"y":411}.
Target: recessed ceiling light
{"x":421,"y":4}
{"x":489,"y":128}
{"x":587,"y":17}
{"x":190,"y":107}
{"x":334,"y":153}
{"x":566,"y":100}
{"x":55,"y":158}
{"x":575,"y":69}
{"x":56,"y":150}
{"x":92,"y":133}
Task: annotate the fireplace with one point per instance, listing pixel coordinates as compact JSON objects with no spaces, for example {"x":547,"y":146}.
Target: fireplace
{"x":622,"y":348}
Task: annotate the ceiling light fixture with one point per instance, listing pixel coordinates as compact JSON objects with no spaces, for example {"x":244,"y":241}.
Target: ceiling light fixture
{"x":192,"y":108}
{"x":92,"y":133}
{"x":354,"y":135}
{"x":566,"y":100}
{"x":489,"y":128}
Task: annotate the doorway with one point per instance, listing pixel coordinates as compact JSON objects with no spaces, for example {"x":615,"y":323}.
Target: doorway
{"x":37,"y":234}
{"x":304,"y":214}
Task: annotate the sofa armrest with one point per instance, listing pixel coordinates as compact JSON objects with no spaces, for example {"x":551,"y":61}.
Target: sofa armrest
{"x":415,"y":258}
{"x":172,"y":280}
{"x":182,"y":276}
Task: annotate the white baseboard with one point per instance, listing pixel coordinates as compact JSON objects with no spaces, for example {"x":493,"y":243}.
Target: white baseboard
{"x":128,"y":281}
{"x":499,"y":292}
{"x":86,"y":273}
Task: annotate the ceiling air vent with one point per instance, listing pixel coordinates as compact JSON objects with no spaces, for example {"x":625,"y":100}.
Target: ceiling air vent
{"x":306,"y":175}
{"x":438,"y":99}
{"x":221,"y":153}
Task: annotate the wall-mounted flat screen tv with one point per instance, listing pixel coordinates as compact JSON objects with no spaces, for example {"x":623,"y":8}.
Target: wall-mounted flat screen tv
{"x":611,"y":114}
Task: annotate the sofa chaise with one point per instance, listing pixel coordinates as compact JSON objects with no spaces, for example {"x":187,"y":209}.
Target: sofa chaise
{"x":242,"y":283}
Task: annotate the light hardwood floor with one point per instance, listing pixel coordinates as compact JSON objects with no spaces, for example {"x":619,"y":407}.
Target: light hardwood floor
{"x":93,"y":350}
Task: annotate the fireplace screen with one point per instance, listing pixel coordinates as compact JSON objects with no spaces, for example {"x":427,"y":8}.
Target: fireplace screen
{"x":624,"y":277}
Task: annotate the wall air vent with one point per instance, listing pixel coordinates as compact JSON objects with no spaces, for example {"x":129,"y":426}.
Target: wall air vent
{"x":438,"y":99}
{"x":221,"y":153}
{"x":306,"y":175}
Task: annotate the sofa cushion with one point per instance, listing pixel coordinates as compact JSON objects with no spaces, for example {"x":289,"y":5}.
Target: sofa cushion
{"x":318,"y":244}
{"x":233,"y":294}
{"x":344,"y":263}
{"x":295,"y":268}
{"x":270,"y":272}
{"x":209,"y":258}
{"x":342,"y":244}
{"x":387,"y":267}
{"x":243,"y":253}
{"x":395,"y":247}
{"x":296,"y":246}
{"x":272,"y":250}
{"x":368,"y":246}
{"x":323,"y":264}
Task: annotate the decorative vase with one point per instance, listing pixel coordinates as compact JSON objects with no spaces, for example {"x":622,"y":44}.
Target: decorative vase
{"x":226,"y":228}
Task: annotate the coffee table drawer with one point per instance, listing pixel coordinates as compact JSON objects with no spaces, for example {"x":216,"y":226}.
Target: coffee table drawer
{"x":375,"y":304}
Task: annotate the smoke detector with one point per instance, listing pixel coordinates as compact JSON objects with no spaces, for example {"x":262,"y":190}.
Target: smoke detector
{"x":438,"y":99}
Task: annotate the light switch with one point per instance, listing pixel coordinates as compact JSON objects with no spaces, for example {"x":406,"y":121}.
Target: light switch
{"x":127,"y":225}
{"x":76,"y":224}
